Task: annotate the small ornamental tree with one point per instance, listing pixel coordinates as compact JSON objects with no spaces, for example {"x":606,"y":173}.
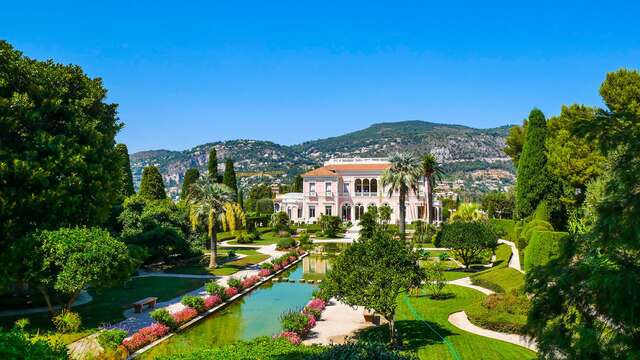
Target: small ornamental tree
{"x":372,"y":273}
{"x":151,"y":185}
{"x":70,"y":259}
{"x":329,"y":225}
{"x":468,"y":239}
{"x":190,"y":177}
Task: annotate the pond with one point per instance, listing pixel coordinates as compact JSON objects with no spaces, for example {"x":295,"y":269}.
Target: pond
{"x":256,"y":314}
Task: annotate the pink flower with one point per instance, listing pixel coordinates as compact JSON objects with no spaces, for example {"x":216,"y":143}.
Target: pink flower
{"x":292,"y":258}
{"x":231,"y":292}
{"x":291,"y":337}
{"x":264,"y":273}
{"x":184,"y":315}
{"x":277,"y":267}
{"x":318,"y":304}
{"x":145,"y":336}
{"x":211,"y":301}
{"x":312,"y":321}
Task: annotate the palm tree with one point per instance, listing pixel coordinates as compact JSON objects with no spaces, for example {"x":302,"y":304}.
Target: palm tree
{"x":432,"y":172}
{"x":206,"y":201}
{"x":402,"y":176}
{"x":468,"y":212}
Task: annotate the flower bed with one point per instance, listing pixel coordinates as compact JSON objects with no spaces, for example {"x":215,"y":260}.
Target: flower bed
{"x":217,"y":295}
{"x":145,"y":336}
{"x":299,"y":324}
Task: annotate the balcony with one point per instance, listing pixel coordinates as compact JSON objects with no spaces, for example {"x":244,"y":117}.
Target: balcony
{"x":366,"y":194}
{"x":313,"y":194}
{"x":328,"y":194}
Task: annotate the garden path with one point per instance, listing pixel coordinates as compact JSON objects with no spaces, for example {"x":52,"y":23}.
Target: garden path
{"x":466,"y":282}
{"x":514,"y":261}
{"x":338,"y":321}
{"x":460,"y":320}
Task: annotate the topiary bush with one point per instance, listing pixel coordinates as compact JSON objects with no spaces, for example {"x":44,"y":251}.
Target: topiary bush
{"x":67,"y":321}
{"x":543,"y":247}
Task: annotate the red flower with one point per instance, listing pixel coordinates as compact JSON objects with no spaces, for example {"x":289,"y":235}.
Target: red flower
{"x":231,"y":292}
{"x":291,"y":337}
{"x":145,"y":336}
{"x":184,"y":315}
{"x":264,"y":273}
{"x":211,"y":301}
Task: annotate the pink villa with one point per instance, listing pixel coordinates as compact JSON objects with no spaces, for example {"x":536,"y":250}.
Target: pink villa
{"x":345,"y":188}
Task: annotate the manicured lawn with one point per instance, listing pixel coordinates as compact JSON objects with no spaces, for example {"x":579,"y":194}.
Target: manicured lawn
{"x":427,"y":338}
{"x":108,"y":304}
{"x":232,"y":267}
{"x":267,"y":238}
{"x":225,"y":265}
{"x":501,"y":277}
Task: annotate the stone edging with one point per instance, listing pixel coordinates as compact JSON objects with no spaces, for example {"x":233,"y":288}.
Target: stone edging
{"x":213,"y":310}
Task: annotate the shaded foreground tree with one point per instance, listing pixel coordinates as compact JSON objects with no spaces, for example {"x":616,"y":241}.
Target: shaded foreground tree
{"x":151,"y":185}
{"x":403,"y":176}
{"x":468,"y":239}
{"x":206,"y":203}
{"x":586,"y":304}
{"x":58,"y":161}
{"x":372,"y":273}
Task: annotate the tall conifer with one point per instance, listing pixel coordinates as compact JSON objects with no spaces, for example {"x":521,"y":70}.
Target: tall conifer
{"x":212,"y":165}
{"x":229,"y":177}
{"x":127,"y":178}
{"x":151,"y":185}
{"x":190,"y":177}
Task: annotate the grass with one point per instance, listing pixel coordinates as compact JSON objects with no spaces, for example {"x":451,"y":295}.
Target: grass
{"x":506,"y":317}
{"x":500,"y":277}
{"x":108,"y":304}
{"x":268,"y":238}
{"x":233,"y":267}
{"x":420,"y":338}
{"x":226,"y":266}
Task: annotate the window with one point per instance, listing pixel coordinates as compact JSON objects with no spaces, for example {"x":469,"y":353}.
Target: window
{"x":345,"y":188}
{"x":374,"y":186}
{"x":327,"y":210}
{"x":312,"y":188}
{"x":327,"y":188}
{"x":365,"y":186}
{"x":312,"y":211}
{"x":299,"y":213}
{"x":346,"y":212}
{"x":359,"y":211}
{"x":358,"y":186}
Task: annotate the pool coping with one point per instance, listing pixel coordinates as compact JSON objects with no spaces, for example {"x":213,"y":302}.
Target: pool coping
{"x":204,"y":315}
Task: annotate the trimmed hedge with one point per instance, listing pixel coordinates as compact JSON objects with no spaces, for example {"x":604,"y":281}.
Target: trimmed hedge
{"x":543,"y":247}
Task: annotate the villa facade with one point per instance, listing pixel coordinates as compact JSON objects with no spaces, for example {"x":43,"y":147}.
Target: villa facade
{"x":345,"y":188}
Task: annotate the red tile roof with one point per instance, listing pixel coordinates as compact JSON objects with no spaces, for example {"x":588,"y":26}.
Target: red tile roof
{"x":331,"y":170}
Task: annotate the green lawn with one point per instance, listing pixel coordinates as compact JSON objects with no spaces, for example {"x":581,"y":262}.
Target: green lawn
{"x":427,"y":338}
{"x":500,"y":277}
{"x":225,"y":265}
{"x":108,"y":304}
{"x":267,"y":238}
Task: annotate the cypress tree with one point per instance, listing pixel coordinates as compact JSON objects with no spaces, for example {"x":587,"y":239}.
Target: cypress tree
{"x":240,"y":199}
{"x":229,"y":177}
{"x":151,"y":185}
{"x":533,"y":177}
{"x":189,"y":178}
{"x":212,"y":165}
{"x":126,"y":189}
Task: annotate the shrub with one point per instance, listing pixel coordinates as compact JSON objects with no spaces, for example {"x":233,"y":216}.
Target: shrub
{"x":309,"y":311}
{"x":285,"y":243}
{"x":291,"y":337}
{"x":505,"y":312}
{"x":267,"y":265}
{"x":329,"y":225}
{"x":232,"y":254}
{"x":435,"y":280}
{"x":244,"y":238}
{"x":193,"y":301}
{"x":234,"y":283}
{"x":311,"y":322}
{"x":544,"y":246}
{"x":110,"y":339}
{"x":231,"y":292}
{"x":279,"y":221}
{"x":214,"y":288}
{"x":304,"y":239}
{"x":360,"y":350}
{"x":529,"y":228}
{"x":249,"y":281}
{"x":212,"y":301}
{"x":67,"y":321}
{"x":295,"y":321}
{"x":18,"y":344}
{"x":145,"y":336}
{"x":163,"y":317}
{"x":283,"y":234}
{"x":317,"y":303}
{"x":184,"y":315}
{"x":444,"y":256}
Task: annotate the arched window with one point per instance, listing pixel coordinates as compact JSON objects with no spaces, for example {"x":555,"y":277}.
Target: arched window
{"x":374,"y":186}
{"x":358,"y":186}
{"x":359,"y":211}
{"x":365,"y":186}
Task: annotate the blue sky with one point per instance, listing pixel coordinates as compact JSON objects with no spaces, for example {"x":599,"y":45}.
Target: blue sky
{"x":186,"y":73}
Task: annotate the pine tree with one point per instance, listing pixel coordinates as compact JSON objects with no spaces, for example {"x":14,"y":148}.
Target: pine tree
{"x":151,"y":185}
{"x":126,"y":188}
{"x":212,"y":165}
{"x":533,"y":177}
{"x":189,"y":178}
{"x":229,"y":177}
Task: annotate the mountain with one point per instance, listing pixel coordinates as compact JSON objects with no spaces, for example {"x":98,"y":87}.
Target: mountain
{"x":462,"y":149}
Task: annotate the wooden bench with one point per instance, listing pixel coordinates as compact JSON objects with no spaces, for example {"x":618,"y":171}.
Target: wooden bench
{"x":138,"y":305}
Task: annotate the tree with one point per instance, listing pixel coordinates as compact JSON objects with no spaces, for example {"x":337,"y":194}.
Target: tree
{"x":297,"y":183}
{"x":279,"y":221}
{"x":58,"y":161}
{"x":206,"y":203}
{"x":190,"y":177}
{"x":229,"y":177}
{"x":585,"y":303}
{"x":372,"y":273}
{"x":257,"y":192}
{"x":403,"y":176}
{"x":499,"y":204}
{"x":432,"y":172}
{"x":515,"y":141}
{"x":70,"y":259}
{"x":533,"y":178}
{"x":212,"y":165}
{"x":151,"y":185}
{"x":468,"y":239}
{"x":384,"y":214}
{"x":468,"y":212}
{"x":240,"y":198}
{"x":329,"y":225}
{"x":264,"y":206}
{"x":126,"y":189}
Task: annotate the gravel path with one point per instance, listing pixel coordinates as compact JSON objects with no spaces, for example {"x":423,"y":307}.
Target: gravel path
{"x":466,"y":282}
{"x":337,"y":322}
{"x":461,"y":321}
